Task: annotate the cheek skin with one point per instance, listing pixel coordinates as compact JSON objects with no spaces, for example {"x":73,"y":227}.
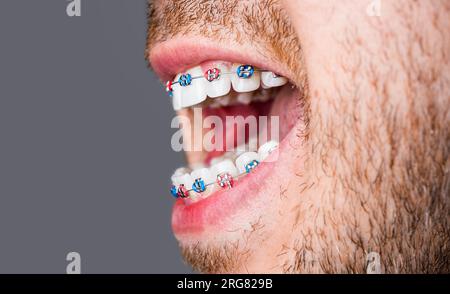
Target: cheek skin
{"x":327,"y":30}
{"x":362,"y":69}
{"x":339,"y":42}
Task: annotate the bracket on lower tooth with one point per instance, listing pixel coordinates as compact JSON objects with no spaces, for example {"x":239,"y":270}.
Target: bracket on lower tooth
{"x":174,"y":191}
{"x":182,"y":192}
{"x":199,"y":186}
{"x":225,"y":180}
{"x":252,"y":165}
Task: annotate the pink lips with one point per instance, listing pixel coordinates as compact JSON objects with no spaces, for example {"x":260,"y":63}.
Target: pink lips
{"x":176,"y":55}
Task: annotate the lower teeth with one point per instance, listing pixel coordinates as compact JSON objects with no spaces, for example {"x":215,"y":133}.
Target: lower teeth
{"x":223,"y":173}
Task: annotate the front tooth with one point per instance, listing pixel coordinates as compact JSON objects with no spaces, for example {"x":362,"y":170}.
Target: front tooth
{"x":194,"y":93}
{"x":245,"y":159}
{"x":215,"y":104}
{"x":252,"y":144}
{"x":225,"y":166}
{"x":176,"y":95}
{"x":179,"y":172}
{"x":266,"y":149}
{"x":241,"y":149}
{"x":270,"y":79}
{"x":185,"y":180}
{"x":224,"y":100}
{"x":204,"y":174}
{"x":197,"y":165}
{"x":220,"y":86}
{"x":226,"y":155}
{"x":244,"y":84}
{"x":216,"y":160}
{"x":245,"y":98}
{"x":263,"y":95}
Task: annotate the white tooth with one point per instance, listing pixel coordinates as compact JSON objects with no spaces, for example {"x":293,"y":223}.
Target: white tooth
{"x":241,"y":149}
{"x":216,"y":160}
{"x":222,"y":85}
{"x":179,"y":172}
{"x":225,"y":166}
{"x":197,"y":165}
{"x":176,"y":99}
{"x":245,"y":85}
{"x":262,"y":95}
{"x":264,"y":86}
{"x":185,"y":180}
{"x":245,"y":98}
{"x":245,"y":159}
{"x":195,"y":93}
{"x":215,"y":104}
{"x":267,"y":149}
{"x":204,"y":174}
{"x":228,"y":155}
{"x":252,"y":144}
{"x":269,"y":80}
{"x":224,"y":100}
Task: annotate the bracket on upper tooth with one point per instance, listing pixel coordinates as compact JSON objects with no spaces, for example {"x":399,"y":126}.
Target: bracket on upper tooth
{"x":185,"y":80}
{"x":169,"y":88}
{"x":245,"y":71}
{"x":212,"y":74}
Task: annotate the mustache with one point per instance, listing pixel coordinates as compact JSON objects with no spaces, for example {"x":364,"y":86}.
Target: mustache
{"x":263,"y":24}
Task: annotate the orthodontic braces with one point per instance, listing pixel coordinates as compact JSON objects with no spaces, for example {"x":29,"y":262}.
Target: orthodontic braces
{"x":244,"y":71}
{"x":224,"y":180}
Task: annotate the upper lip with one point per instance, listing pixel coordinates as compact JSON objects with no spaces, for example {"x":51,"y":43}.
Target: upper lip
{"x":168,"y":58}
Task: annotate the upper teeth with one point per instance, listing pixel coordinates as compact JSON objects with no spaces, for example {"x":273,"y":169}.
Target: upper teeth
{"x":192,"y":93}
{"x":194,"y":86}
{"x":220,"y":86}
{"x":244,"y":163}
{"x":243,"y":83}
{"x":270,"y":80}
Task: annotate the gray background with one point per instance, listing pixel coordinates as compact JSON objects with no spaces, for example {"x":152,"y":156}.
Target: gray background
{"x":85,"y":156}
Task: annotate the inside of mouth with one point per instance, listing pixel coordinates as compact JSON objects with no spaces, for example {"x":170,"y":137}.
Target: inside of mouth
{"x":240,"y":150}
{"x":235,"y":135}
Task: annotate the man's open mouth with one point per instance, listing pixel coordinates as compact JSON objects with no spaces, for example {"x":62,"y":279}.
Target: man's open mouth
{"x":221,"y":181}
